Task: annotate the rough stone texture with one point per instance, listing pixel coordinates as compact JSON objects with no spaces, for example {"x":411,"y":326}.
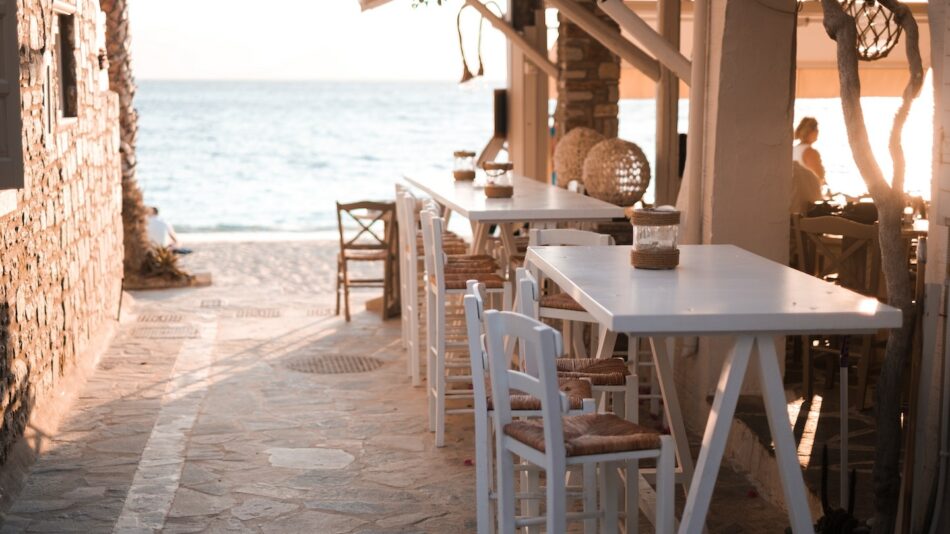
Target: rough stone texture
{"x":589,"y":89}
{"x":61,"y":249}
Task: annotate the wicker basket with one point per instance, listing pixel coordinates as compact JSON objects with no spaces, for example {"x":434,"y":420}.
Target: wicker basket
{"x":616,"y":171}
{"x":570,"y":152}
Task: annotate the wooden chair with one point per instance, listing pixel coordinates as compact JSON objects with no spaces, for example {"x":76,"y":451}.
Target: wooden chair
{"x":578,"y":390}
{"x":558,"y":441}
{"x":847,"y":253}
{"x":366,"y":235}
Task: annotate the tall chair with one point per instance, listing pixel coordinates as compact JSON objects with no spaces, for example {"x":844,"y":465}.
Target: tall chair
{"x":847,"y":253}
{"x":366,"y":234}
{"x":578,"y":391}
{"x":558,"y":441}
{"x":445,"y":280}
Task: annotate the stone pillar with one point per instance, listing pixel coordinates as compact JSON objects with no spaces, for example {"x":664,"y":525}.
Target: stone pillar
{"x":589,"y":87}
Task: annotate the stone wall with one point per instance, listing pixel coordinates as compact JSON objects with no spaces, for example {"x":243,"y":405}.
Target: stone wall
{"x":61,"y":248}
{"x":589,"y":87}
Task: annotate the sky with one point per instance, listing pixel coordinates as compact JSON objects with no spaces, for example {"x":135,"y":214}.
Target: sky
{"x":306,"y":39}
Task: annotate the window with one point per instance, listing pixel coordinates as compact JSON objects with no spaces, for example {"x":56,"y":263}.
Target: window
{"x":66,"y":65}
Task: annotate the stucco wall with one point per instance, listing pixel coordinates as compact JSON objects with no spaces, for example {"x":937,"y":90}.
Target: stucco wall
{"x":61,"y":247}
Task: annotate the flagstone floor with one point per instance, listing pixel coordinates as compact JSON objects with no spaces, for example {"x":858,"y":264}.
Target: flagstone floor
{"x":202,"y":417}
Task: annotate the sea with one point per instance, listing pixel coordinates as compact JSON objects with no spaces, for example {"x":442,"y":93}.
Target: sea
{"x":265,"y":157}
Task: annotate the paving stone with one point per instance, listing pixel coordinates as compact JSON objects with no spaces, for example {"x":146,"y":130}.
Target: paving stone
{"x":261,"y":509}
{"x":312,"y":458}
{"x":194,"y":503}
{"x":312,"y":521}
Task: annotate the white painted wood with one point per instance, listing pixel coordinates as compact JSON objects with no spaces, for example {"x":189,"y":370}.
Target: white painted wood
{"x":717,"y":289}
{"x":532,"y":201}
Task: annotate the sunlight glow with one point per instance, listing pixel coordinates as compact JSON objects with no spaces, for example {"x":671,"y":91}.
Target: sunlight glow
{"x":807,"y":444}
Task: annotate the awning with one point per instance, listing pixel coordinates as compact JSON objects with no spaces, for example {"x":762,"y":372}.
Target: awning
{"x":366,"y":5}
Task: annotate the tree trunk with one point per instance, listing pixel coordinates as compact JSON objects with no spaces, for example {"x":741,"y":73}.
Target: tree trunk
{"x":889,"y":200}
{"x":118,"y":41}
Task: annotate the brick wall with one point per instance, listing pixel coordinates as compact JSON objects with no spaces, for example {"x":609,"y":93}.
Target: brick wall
{"x":589,"y":87}
{"x":61,"y":248}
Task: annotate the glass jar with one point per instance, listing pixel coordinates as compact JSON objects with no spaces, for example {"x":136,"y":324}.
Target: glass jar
{"x":499,"y":173}
{"x":655,"y":238}
{"x":463,"y":168}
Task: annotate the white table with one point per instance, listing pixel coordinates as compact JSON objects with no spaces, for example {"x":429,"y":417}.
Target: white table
{"x":716,"y":290}
{"x":532,"y":202}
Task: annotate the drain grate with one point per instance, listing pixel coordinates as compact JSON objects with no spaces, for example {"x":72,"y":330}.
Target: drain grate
{"x":211,"y":303}
{"x":320,"y":312}
{"x":166,"y":332}
{"x":333,"y":364}
{"x":266,"y":313}
{"x":161,"y":318}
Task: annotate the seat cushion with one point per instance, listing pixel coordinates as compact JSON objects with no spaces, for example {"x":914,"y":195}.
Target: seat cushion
{"x":459,"y":280}
{"x":561,"y":301}
{"x":588,"y":434}
{"x":601,"y":372}
{"x":577,"y":390}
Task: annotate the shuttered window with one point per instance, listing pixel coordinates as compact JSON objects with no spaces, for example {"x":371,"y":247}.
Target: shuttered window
{"x":11,"y":125}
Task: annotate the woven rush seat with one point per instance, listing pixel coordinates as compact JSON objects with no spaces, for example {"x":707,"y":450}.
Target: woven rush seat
{"x":601,"y":372}
{"x":576,"y":389}
{"x":561,"y":301}
{"x":588,"y":434}
{"x":459,"y":281}
{"x":365,"y":255}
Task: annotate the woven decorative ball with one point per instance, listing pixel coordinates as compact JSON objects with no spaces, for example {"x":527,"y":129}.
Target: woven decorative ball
{"x":616,"y":171}
{"x":570,"y":152}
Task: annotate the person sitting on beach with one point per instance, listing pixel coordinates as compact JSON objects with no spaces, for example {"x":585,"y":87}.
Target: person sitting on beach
{"x":803,"y":153}
{"x":161,"y":233}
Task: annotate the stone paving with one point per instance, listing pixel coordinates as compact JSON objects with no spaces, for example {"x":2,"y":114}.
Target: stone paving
{"x":197,"y":421}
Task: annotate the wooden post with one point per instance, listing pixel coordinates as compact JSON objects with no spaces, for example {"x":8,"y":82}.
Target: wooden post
{"x":528,"y":139}
{"x":667,"y":110}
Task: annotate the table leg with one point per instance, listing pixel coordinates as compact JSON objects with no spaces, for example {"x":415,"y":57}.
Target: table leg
{"x":507,"y":231}
{"x":479,"y":237}
{"x":773,"y":393}
{"x":716,"y":435}
{"x":663,"y":368}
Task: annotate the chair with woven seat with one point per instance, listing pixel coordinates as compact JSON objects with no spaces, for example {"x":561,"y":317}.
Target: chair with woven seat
{"x":847,"y":253}
{"x":578,"y":391}
{"x":440,"y":286}
{"x":558,"y":441}
{"x":366,"y":235}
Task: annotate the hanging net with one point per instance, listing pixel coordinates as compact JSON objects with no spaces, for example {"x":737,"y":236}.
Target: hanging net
{"x":878,"y":30}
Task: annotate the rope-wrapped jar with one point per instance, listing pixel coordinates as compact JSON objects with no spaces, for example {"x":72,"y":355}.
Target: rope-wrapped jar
{"x":655,"y":238}
{"x":570,"y":152}
{"x":616,"y":171}
{"x":500,"y":184}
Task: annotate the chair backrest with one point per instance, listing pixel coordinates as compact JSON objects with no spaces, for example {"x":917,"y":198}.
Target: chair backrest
{"x":474,"y":303}
{"x":433,"y":227}
{"x":567,"y":237}
{"x":541,"y":345}
{"x":529,"y":293}
{"x":847,"y":249}
{"x":365,"y":225}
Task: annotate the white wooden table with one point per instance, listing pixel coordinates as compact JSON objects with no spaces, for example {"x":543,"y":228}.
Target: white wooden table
{"x":532,"y":202}
{"x":716,"y":290}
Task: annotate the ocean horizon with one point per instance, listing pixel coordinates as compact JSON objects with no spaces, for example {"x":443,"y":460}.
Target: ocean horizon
{"x":263,"y":156}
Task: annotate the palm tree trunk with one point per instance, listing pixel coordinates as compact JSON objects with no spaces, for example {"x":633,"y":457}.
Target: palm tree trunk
{"x":121,"y":81}
{"x":889,"y":200}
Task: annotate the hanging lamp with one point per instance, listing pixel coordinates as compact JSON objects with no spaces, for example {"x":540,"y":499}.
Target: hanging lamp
{"x":878,"y":29}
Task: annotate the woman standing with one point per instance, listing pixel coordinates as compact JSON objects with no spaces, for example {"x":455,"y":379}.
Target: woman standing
{"x":807,"y":133}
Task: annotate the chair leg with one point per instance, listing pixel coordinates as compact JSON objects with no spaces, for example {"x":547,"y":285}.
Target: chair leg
{"x":806,"y":369}
{"x":608,"y":498}
{"x":430,"y":356}
{"x":632,"y":498}
{"x":346,"y":292}
{"x":482,"y":473}
{"x":665,"y":485}
{"x":339,"y":279}
{"x":556,"y":497}
{"x":590,"y":496}
{"x":440,"y":383}
{"x":531,"y":507}
{"x":506,"y":490}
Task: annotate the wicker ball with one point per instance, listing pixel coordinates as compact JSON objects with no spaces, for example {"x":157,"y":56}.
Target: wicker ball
{"x":570,"y":152}
{"x":616,"y":171}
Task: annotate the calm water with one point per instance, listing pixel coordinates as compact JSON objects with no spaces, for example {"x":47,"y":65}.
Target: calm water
{"x":273,"y":156}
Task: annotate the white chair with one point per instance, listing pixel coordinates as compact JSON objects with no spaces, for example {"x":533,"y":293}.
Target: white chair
{"x":404,"y":234}
{"x":561,"y":306}
{"x":439,"y":287}
{"x":559,"y":441}
{"x":578,"y":390}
